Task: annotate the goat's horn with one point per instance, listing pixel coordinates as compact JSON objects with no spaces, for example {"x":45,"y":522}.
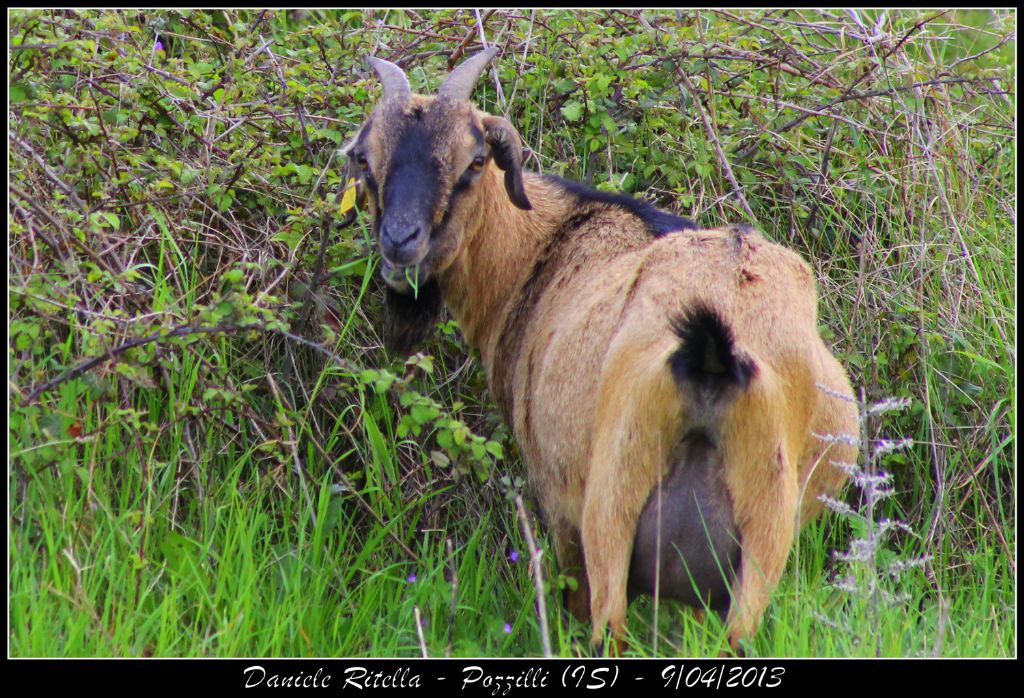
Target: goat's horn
{"x":460,"y":84}
{"x":396,"y":84}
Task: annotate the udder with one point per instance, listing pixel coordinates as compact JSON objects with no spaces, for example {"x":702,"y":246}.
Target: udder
{"x":694,"y":556}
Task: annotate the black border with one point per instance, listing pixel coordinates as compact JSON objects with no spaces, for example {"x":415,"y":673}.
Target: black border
{"x":510,"y":676}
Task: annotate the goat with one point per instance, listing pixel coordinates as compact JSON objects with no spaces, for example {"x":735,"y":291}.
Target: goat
{"x":662,"y":380}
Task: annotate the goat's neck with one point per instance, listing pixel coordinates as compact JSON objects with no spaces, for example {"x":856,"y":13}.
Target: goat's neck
{"x":500,"y":246}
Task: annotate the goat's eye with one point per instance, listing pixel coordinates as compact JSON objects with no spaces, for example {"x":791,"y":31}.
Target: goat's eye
{"x":361,"y":160}
{"x":478,"y":163}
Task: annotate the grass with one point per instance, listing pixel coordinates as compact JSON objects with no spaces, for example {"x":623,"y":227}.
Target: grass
{"x":284,"y":487}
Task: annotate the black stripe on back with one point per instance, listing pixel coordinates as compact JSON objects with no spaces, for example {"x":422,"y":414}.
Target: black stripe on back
{"x":658,"y":222}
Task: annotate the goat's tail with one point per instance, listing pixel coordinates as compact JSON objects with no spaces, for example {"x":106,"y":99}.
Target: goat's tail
{"x":708,"y":360}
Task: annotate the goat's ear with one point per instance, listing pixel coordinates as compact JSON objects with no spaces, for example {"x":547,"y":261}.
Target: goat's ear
{"x":507,"y":148}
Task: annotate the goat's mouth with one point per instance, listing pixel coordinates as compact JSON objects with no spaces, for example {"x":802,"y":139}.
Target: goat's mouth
{"x":404,"y":279}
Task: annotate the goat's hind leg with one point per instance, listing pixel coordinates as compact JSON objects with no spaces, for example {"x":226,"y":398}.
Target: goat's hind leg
{"x":637,"y":410}
{"x":763,"y":483}
{"x":571,"y":563}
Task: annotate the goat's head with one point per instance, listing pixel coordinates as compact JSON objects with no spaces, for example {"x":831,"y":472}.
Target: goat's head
{"x":420,"y":160}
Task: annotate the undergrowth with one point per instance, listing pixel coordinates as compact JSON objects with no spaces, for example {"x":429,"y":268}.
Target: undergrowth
{"x":212,"y":455}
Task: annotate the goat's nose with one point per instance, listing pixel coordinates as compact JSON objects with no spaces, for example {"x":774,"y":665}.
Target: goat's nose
{"x":402,"y":243}
{"x":400,"y":236}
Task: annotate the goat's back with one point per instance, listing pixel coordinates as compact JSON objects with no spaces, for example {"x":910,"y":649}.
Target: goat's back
{"x":617,"y":290}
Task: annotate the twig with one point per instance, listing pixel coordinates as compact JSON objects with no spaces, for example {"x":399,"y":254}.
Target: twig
{"x":293,"y":446}
{"x":168,"y":76}
{"x":183,"y":330}
{"x":820,"y":181}
{"x":847,"y":93}
{"x":782,"y":65}
{"x":522,"y":63}
{"x":538,"y":578}
{"x":419,"y":631}
{"x":955,"y":224}
{"x":460,"y":49}
{"x":417,"y":32}
{"x":451,"y":607}
{"x":265,"y":47}
{"x":724,"y":161}
{"x":940,"y":630}
{"x":38,"y":47}
{"x":256,"y":22}
{"x":50,"y":174}
{"x":318,"y":275}
{"x":494,"y":71}
{"x":822,"y":109}
{"x":808,"y":111}
{"x":36,"y":230}
{"x":370,"y":510}
{"x":179,"y":331}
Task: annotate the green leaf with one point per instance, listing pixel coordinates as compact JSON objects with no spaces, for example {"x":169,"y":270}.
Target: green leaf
{"x":180,"y":553}
{"x":573,"y":111}
{"x":564,"y":86}
{"x":423,"y":413}
{"x":304,"y":173}
{"x":53,"y":425}
{"x":178,"y":90}
{"x":224,"y":201}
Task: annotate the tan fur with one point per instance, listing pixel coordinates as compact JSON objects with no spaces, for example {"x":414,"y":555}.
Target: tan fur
{"x":573,"y":329}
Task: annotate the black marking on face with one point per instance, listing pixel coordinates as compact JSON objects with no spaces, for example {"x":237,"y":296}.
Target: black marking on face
{"x":658,"y":222}
{"x":359,"y":163}
{"x":371,"y":187}
{"x":414,"y":190}
{"x":413,"y":178}
{"x":462,"y":185}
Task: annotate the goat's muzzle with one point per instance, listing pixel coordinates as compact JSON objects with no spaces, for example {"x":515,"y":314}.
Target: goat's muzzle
{"x":402,"y":278}
{"x":404,"y":243}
